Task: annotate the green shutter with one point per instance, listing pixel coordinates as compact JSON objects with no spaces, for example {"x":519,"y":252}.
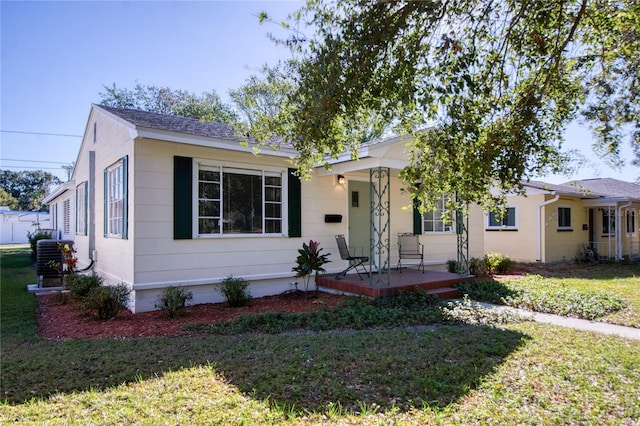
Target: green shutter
{"x":294,"y":204}
{"x":106,"y":203}
{"x":417,"y":219}
{"x":125,"y":197}
{"x":182,"y":198}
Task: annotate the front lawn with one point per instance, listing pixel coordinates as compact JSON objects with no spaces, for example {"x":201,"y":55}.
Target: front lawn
{"x":444,"y":373}
{"x":605,"y":292}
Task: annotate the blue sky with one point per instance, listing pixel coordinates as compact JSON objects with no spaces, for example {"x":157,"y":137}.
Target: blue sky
{"x":56,"y":57}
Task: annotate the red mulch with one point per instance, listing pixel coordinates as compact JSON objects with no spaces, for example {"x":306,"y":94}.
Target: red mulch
{"x":62,"y":321}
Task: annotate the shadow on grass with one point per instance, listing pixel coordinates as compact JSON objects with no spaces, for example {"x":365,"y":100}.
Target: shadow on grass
{"x":390,"y":368}
{"x":400,"y":368}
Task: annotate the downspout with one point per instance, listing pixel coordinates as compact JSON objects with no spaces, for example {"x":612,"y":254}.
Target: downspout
{"x":540,"y":206}
{"x":619,"y":231}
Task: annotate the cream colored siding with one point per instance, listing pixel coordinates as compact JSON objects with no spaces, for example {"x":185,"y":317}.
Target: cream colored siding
{"x":560,"y":244}
{"x":519,"y":244}
{"x":161,"y":259}
{"x":114,"y":256}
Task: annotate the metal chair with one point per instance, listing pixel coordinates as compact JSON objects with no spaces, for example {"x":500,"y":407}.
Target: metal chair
{"x":355,"y":262}
{"x":410,"y":247}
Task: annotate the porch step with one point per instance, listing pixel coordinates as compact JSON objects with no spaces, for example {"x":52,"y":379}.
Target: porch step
{"x":444,"y":292}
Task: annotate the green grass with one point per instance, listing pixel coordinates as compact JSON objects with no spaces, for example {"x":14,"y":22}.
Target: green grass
{"x":604,"y":292}
{"x":17,"y":316}
{"x":445,"y":373}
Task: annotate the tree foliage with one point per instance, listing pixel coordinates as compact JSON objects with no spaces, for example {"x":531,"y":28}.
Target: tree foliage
{"x":28,"y":187}
{"x":164,"y":100}
{"x":8,"y":200}
{"x":485,"y":88}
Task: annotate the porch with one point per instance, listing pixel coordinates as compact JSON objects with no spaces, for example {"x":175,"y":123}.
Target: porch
{"x":437,"y":283}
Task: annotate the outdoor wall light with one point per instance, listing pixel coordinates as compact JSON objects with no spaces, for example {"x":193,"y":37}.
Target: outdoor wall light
{"x":341,"y":180}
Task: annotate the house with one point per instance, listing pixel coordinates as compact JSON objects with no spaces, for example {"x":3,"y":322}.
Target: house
{"x":15,"y":226}
{"x":578,"y":219}
{"x":157,"y":201}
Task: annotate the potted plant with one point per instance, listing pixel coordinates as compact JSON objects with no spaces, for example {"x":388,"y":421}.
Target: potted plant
{"x":309,"y":260}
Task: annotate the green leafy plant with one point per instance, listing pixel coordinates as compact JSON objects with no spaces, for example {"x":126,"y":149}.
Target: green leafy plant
{"x":69,"y":260}
{"x":81,"y":285}
{"x":235,"y":291}
{"x":33,"y":241}
{"x":452,"y":266}
{"x":536,"y":293}
{"x":173,"y":301}
{"x":106,"y":301}
{"x":497,"y":263}
{"x":310,"y":261}
{"x":477,"y":267}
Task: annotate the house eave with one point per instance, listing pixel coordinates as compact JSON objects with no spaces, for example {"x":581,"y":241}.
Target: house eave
{"x":58,"y":191}
{"x":230,"y":145}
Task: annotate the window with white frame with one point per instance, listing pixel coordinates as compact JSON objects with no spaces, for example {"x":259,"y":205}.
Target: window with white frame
{"x":66,"y":220}
{"x":504,"y":219}
{"x":115,"y":199}
{"x":564,"y":218}
{"x":631,"y":222}
{"x":233,"y":200}
{"x":432,"y":220}
{"x":608,"y":222}
{"x":81,"y":209}
{"x":53,"y":212}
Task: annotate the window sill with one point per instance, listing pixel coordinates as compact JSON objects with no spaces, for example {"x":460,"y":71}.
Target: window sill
{"x":565,"y":230}
{"x":501,"y":229}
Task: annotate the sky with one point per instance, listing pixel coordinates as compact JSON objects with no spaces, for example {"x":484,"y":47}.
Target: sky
{"x":56,"y":58}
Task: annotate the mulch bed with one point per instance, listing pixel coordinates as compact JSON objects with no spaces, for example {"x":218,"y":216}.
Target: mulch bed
{"x":63,"y":321}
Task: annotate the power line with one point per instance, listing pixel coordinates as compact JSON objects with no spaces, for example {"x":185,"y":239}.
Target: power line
{"x":34,"y":161}
{"x":30,"y":168}
{"x":40,"y":133}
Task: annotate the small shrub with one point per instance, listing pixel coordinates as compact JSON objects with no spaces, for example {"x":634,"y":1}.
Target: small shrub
{"x":173,"y":301}
{"x":33,"y":241}
{"x":235,"y":291}
{"x":81,"y":285}
{"x":106,"y":301}
{"x":477,"y":267}
{"x":452,"y":266}
{"x":497,"y":263}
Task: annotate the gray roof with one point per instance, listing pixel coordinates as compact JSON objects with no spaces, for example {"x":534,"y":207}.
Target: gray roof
{"x":609,"y":187}
{"x":564,"y":188}
{"x":173,"y":123}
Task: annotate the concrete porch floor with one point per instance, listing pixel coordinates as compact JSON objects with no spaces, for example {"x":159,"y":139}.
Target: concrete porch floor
{"x":433,"y":282}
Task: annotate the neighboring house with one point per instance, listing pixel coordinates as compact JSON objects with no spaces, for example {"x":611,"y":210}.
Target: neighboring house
{"x":16,"y":225}
{"x":553,"y":223}
{"x":158,"y":201}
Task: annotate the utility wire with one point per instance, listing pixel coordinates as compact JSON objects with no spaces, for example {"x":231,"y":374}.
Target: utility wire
{"x":30,"y":168}
{"x":33,"y":161}
{"x":40,"y":133}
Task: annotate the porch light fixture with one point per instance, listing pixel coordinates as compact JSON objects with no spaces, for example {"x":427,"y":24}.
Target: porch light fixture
{"x":341,"y":180}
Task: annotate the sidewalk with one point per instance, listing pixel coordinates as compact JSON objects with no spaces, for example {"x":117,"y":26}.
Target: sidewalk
{"x":579,"y":324}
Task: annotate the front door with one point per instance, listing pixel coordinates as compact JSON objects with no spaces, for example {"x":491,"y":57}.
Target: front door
{"x":359,"y":217}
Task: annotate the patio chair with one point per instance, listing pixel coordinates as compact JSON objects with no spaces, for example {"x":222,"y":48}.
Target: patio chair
{"x":355,"y":262}
{"x":410,"y":247}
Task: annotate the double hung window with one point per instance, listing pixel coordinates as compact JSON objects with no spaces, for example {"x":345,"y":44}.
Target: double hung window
{"x":505,"y":219}
{"x":564,"y":218}
{"x":115,"y":199}
{"x":432,"y":220}
{"x":238,"y":200}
